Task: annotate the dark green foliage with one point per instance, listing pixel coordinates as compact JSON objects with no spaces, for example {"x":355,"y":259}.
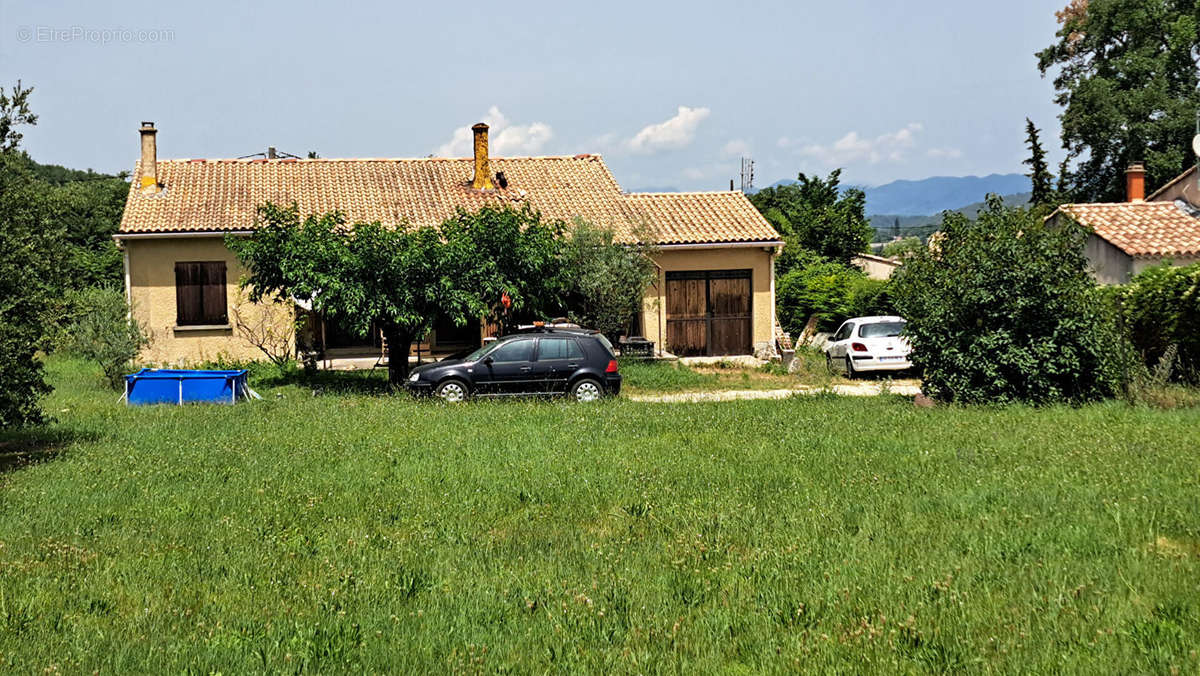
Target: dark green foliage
{"x":902,"y":248}
{"x":1039,"y":171}
{"x":1002,"y":309}
{"x":14,"y":112}
{"x":88,"y":207}
{"x":1126,"y":77}
{"x":28,"y":272}
{"x":815,"y":215}
{"x":606,"y":282}
{"x":1160,"y":307}
{"x":403,"y":279}
{"x":101,"y":330}
{"x":831,"y":290}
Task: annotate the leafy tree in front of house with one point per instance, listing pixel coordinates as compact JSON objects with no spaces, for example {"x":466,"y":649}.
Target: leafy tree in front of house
{"x":30,"y":269}
{"x":1125,"y":73}
{"x":607,"y":280}
{"x":102,"y":330}
{"x":816,"y":215}
{"x":1002,"y":309}
{"x":402,"y":279}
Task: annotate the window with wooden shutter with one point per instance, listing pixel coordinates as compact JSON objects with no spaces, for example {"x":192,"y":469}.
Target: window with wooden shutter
{"x":200,"y":294}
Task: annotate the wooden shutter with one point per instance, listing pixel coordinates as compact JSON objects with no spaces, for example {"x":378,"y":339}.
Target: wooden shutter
{"x":200,"y":294}
{"x":214,"y":294}
{"x":189,"y":304}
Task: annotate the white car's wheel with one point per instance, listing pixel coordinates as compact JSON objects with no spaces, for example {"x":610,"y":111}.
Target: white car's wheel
{"x":829,"y":364}
{"x":586,"y":390}
{"x":850,"y":368}
{"x":452,"y":392}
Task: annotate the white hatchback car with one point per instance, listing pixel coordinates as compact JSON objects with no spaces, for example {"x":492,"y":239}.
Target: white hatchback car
{"x":868,"y":344}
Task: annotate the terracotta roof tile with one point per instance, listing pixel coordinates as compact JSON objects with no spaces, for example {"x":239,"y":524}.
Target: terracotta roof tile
{"x":701,"y":217}
{"x":222,"y":195}
{"x":1141,"y":228}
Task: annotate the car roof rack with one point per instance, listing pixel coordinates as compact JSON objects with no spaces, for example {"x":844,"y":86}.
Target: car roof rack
{"x":552,"y":328}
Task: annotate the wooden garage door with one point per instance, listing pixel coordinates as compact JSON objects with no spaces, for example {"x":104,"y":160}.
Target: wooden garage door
{"x":708,"y":313}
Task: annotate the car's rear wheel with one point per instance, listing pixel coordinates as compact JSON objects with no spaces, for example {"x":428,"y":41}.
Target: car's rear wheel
{"x":850,"y":368}
{"x":452,"y":391}
{"x":586,"y":390}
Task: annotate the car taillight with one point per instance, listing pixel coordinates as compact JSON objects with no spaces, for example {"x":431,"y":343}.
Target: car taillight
{"x":858,"y":347}
{"x":612,"y":366}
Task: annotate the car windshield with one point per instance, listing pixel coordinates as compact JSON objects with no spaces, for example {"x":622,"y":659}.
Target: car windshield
{"x":881,"y":330}
{"x":478,"y":354}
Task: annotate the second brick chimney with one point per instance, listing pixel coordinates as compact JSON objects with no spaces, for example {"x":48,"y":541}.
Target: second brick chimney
{"x":483,"y":173}
{"x":1135,"y":182}
{"x":149,"y":166}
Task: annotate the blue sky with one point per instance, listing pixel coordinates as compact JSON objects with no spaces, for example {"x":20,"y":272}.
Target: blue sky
{"x":671,"y":93}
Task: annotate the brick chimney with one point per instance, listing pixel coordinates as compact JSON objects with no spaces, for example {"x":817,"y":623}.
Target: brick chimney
{"x":1135,"y":182}
{"x":483,"y":173}
{"x":149,"y":177}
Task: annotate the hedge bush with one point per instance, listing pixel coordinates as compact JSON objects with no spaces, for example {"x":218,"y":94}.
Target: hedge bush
{"x":1160,"y":307}
{"x":1002,"y":309}
{"x":830,"y":290}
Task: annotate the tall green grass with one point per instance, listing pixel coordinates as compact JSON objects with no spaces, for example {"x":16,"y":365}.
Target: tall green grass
{"x":341,"y":531}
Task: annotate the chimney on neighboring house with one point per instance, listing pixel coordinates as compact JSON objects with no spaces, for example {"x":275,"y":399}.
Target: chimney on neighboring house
{"x":1135,"y":182}
{"x":271,"y":154}
{"x":483,"y":173}
{"x":149,"y":177}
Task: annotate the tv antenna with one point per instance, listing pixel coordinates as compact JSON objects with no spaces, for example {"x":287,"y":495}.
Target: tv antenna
{"x":748,"y":174}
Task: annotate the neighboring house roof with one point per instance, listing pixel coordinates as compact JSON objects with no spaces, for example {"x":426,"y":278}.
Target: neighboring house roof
{"x":223,"y":195}
{"x":1141,"y":228}
{"x":701,"y":217}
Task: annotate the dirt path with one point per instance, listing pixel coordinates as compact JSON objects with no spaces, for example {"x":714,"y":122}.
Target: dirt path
{"x":852,"y":390}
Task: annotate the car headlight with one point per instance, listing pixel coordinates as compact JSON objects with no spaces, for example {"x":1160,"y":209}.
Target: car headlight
{"x":414,"y":377}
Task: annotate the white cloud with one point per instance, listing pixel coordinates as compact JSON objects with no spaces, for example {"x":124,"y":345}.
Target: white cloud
{"x":854,"y":149}
{"x":944,"y":153}
{"x":504,"y":138}
{"x":695,"y":173}
{"x":673,"y":134}
{"x":735,"y":148}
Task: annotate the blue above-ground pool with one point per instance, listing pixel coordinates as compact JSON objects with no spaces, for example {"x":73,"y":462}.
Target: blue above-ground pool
{"x":185,"y":386}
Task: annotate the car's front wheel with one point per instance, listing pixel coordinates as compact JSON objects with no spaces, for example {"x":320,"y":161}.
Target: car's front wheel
{"x":452,"y":391}
{"x":586,"y":390}
{"x":829,"y":365}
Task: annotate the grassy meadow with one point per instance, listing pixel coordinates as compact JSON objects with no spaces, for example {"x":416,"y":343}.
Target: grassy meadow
{"x":342,"y":530}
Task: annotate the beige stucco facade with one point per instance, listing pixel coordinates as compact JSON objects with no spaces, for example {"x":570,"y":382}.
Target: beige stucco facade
{"x":1110,"y":265}
{"x":150,"y":283}
{"x":758,"y":259}
{"x":150,"y":286}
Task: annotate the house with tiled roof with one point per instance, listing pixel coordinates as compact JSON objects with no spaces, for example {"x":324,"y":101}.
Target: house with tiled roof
{"x":714,"y":294}
{"x":1127,"y":237}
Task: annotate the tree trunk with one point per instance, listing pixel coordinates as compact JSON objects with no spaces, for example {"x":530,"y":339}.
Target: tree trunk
{"x":399,"y":345}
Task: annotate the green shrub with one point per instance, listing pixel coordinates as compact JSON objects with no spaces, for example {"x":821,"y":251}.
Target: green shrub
{"x":101,"y":330}
{"x":830,"y":290}
{"x":1160,"y":307}
{"x":1003,"y":309}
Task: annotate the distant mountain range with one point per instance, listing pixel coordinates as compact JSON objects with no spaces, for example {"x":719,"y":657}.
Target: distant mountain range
{"x":934,"y":195}
{"x":923,"y":226}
